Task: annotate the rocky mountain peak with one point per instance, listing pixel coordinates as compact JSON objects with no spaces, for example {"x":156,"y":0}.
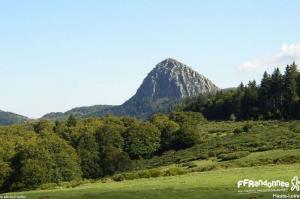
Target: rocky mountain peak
{"x":173,"y":79}
{"x":169,"y":63}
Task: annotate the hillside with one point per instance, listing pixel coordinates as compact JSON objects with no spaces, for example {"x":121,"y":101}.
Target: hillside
{"x":7,"y":118}
{"x":78,"y":112}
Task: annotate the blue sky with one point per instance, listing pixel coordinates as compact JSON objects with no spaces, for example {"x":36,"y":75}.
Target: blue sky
{"x":60,"y":54}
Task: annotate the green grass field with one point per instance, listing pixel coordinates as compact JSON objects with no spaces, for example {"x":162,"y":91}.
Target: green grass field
{"x":209,"y":185}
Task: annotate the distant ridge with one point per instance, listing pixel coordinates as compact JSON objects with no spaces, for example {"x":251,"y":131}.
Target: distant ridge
{"x":8,"y":118}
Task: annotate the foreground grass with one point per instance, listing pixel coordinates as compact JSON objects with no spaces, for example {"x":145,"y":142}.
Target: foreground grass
{"x":209,"y":185}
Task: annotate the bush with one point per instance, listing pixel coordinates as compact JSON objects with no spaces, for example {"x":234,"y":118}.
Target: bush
{"x":190,"y":165}
{"x":118,"y":177}
{"x":131,"y":176}
{"x":106,"y":180}
{"x":237,"y":131}
{"x":175,"y":171}
{"x":187,"y":118}
{"x":204,"y":168}
{"x":70,"y":184}
{"x":295,"y":127}
{"x":156,"y":173}
{"x":187,"y":136}
{"x":212,"y":154}
{"x":233,"y":156}
{"x":48,"y":186}
{"x":144,"y":174}
{"x":247,"y":128}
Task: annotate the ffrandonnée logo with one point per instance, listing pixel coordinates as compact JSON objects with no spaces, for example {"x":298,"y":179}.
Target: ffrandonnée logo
{"x":293,"y":185}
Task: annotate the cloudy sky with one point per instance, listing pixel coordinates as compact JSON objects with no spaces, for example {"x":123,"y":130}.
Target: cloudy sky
{"x":60,"y":54}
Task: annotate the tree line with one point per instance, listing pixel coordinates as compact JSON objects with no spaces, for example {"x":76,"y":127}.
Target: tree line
{"x":44,"y":152}
{"x":276,"y":97}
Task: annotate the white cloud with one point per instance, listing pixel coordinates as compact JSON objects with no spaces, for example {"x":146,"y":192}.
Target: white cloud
{"x":288,"y":53}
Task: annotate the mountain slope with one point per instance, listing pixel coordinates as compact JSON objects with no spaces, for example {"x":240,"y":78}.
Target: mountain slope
{"x":173,"y":79}
{"x":8,"y":118}
{"x":168,"y":82}
{"x":79,"y":112}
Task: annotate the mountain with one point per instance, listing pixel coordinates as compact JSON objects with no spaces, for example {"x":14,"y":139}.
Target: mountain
{"x":173,"y":79}
{"x":79,"y":112}
{"x":7,"y":118}
{"x":168,"y":82}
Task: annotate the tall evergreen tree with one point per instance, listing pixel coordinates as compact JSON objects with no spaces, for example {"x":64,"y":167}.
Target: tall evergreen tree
{"x":276,"y":94}
{"x":290,"y":90}
{"x":264,"y":94}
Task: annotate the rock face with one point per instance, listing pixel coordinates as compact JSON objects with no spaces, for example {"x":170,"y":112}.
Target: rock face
{"x":167,"y":83}
{"x":173,"y":79}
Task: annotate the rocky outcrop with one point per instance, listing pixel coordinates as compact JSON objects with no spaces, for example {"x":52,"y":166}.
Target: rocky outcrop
{"x":173,"y":79}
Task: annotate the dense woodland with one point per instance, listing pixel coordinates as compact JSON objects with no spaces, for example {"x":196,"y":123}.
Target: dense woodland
{"x":276,"y":97}
{"x":50,"y":152}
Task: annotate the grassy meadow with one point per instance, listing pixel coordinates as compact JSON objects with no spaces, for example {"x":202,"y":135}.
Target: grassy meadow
{"x":210,"y":185}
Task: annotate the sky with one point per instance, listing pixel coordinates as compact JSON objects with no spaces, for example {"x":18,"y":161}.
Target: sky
{"x":60,"y":54}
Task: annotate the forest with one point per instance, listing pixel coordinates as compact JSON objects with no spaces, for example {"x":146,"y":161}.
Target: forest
{"x":42,"y":152}
{"x":275,"y":98}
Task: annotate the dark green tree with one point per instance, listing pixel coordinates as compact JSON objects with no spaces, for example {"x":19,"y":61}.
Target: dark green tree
{"x":142,"y":140}
{"x":187,"y":136}
{"x":168,"y":129}
{"x":72,"y":121}
{"x":49,"y":159}
{"x":88,"y":152}
{"x":110,"y":136}
{"x":290,"y":90}
{"x":115,"y":161}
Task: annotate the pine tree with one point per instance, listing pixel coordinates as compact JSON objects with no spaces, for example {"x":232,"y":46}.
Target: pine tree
{"x":290,"y":90}
{"x":250,"y":101}
{"x":276,"y":92}
{"x":264,"y":94}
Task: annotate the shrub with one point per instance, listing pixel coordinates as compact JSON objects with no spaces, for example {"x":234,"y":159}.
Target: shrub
{"x":190,"y":165}
{"x":247,"y":128}
{"x":187,"y":136}
{"x":156,"y":173}
{"x":295,"y":127}
{"x":237,"y":131}
{"x":106,"y":180}
{"x":232,"y":156}
{"x":204,"y":168}
{"x":212,"y":154}
{"x":118,"y":177}
{"x":47,"y":186}
{"x":131,"y":176}
{"x":144,"y":174}
{"x":187,"y":118}
{"x":175,"y":171}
